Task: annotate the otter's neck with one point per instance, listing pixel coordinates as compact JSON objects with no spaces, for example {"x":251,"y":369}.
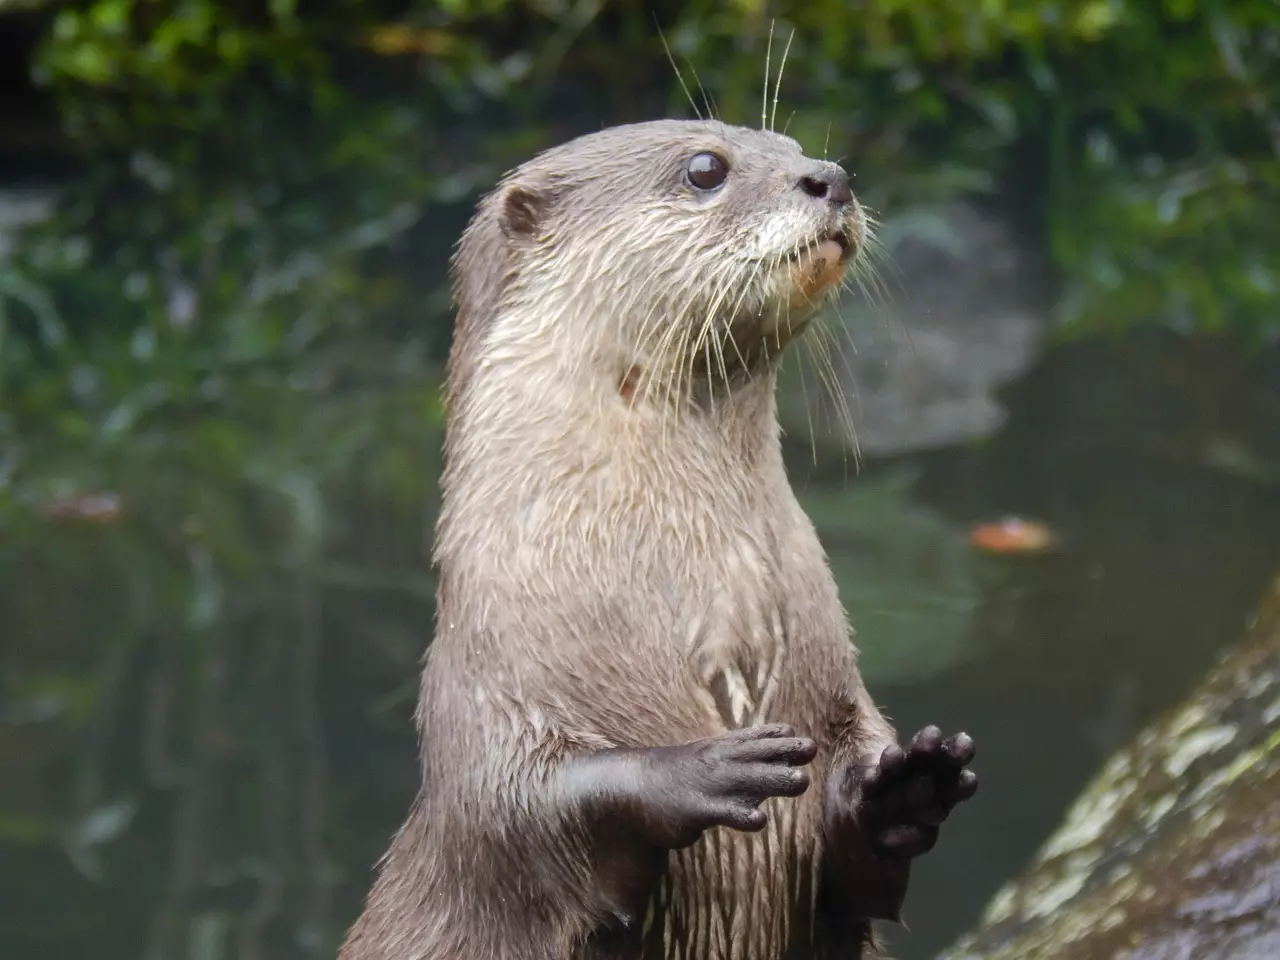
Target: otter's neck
{"x":542,"y":435}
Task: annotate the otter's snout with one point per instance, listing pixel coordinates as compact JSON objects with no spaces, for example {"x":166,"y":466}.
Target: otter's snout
{"x":829,"y":182}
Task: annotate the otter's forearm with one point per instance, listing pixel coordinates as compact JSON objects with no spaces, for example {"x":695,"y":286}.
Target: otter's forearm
{"x":637,"y":804}
{"x":882,"y":807}
{"x":859,"y":883}
{"x":624,"y":830}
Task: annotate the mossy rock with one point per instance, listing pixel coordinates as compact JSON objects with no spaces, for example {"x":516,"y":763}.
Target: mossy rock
{"x":1173,"y":851}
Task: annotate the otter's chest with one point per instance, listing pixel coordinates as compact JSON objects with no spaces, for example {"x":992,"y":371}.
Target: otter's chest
{"x":734,"y":631}
{"x":736,"y":628}
{"x":741,"y":896}
{"x":735,"y":895}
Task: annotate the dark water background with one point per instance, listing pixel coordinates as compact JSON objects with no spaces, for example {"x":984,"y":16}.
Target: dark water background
{"x":220,"y":783}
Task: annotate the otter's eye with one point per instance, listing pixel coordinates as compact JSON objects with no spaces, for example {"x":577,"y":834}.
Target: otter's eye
{"x":706,"y":171}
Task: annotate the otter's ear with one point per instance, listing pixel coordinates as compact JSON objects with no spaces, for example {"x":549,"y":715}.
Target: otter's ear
{"x":523,"y":210}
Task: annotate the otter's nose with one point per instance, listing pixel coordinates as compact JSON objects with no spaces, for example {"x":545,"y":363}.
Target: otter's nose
{"x":828,"y":182}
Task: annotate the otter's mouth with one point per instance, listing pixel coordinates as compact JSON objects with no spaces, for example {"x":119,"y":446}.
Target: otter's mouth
{"x":842,"y":239}
{"x":834,"y":245}
{"x":819,"y":267}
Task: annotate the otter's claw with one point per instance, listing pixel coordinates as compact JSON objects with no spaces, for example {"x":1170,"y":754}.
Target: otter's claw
{"x":902,"y":800}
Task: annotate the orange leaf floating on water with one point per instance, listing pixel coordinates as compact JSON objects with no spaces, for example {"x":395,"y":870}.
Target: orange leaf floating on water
{"x":1013,"y":535}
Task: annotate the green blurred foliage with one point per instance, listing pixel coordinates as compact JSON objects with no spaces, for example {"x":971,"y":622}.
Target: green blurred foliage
{"x":1139,"y":140}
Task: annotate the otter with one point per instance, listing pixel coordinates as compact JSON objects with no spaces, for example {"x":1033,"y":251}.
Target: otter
{"x":640,"y":663}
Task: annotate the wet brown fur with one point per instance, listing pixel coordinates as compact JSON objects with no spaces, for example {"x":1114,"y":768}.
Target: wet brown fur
{"x":623,"y":570}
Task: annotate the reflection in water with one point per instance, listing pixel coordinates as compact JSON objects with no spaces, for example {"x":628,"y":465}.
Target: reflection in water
{"x":221,"y":417}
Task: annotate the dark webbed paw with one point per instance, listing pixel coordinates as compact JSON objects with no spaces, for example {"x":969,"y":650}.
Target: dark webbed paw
{"x":903,"y":799}
{"x":722,"y":780}
{"x":640,"y":803}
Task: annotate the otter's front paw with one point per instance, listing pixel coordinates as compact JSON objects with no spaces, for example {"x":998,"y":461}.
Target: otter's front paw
{"x":902,"y":800}
{"x":718,"y":781}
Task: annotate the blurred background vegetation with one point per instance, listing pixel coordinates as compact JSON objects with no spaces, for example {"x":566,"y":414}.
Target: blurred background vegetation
{"x":220,"y":351}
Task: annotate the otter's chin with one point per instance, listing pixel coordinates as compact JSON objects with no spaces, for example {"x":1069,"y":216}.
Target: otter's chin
{"x":816,"y":271}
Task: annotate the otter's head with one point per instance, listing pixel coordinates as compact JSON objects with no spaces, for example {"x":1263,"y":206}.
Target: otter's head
{"x":672,"y":249}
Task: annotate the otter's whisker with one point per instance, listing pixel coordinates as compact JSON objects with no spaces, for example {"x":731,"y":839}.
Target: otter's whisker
{"x":711,"y":380}
{"x":833,"y":347}
{"x":668,"y":397}
{"x":681,"y":331}
{"x":778,"y":327}
{"x":846,"y":336}
{"x":875,"y":288}
{"x":825,"y":367}
{"x":701,"y":347}
{"x":778,"y":86}
{"x":717,"y":344}
{"x":686,"y":335}
{"x":702,"y":341}
{"x":747,"y":286}
{"x":850,"y":441}
{"x":764,"y":94}
{"x":708,"y":101}
{"x":793,"y":256}
{"x":876,"y":271}
{"x":832,"y":382}
{"x":704,"y":335}
{"x":800,"y":368}
{"x":866,"y":274}
{"x":649,"y":325}
{"x":672,"y":60}
{"x":845,"y":328}
{"x":660,"y":364}
{"x":808,"y":414}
